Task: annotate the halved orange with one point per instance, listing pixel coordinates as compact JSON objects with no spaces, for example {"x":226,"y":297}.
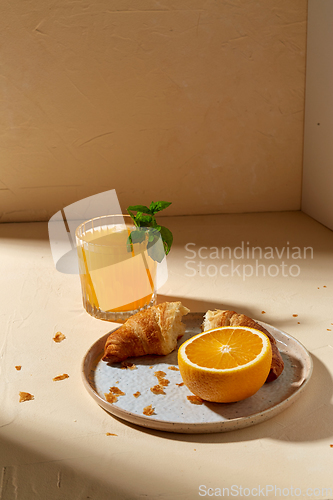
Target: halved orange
{"x":226,"y":364}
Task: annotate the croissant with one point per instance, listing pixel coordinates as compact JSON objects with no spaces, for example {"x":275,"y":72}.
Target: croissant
{"x":214,"y":319}
{"x":152,"y":331}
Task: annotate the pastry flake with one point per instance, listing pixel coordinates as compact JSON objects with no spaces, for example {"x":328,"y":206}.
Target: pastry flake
{"x":25,"y":396}
{"x":110,"y":398}
{"x":160,"y":377}
{"x":149,"y":411}
{"x":112,"y":395}
{"x":157,"y":389}
{"x":116,"y":391}
{"x":195,"y":400}
{"x":127,"y":365}
{"x":60,"y":377}
{"x":59,"y":337}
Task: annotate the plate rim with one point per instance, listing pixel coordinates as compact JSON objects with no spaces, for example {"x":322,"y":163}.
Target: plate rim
{"x":204,"y":427}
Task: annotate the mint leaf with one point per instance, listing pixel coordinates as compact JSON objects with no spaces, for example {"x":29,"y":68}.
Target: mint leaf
{"x":138,"y":236}
{"x":155,"y":246}
{"x":167,"y":238}
{"x":140,"y":208}
{"x":132,"y":215}
{"x":156,"y":252}
{"x":144,"y":218}
{"x":157,"y":206}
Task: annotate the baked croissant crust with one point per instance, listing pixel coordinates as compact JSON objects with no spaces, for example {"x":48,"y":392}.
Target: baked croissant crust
{"x":214,"y":319}
{"x":152,"y":331}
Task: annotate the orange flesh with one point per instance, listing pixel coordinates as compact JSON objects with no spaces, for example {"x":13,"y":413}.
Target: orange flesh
{"x":224,"y":349}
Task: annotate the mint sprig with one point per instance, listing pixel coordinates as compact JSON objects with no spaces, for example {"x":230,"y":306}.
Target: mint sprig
{"x":144,"y":218}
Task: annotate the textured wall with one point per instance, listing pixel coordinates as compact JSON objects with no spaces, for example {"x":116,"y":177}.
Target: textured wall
{"x":199,"y":102}
{"x":317,"y":199}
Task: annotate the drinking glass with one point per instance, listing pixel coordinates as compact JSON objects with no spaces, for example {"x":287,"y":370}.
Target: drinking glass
{"x":117,"y":276}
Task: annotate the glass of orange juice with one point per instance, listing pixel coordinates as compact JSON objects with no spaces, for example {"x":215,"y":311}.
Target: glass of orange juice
{"x":117,"y":277}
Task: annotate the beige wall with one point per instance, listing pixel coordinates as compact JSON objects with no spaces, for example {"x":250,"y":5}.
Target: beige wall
{"x":317,"y":199}
{"x":199,"y":102}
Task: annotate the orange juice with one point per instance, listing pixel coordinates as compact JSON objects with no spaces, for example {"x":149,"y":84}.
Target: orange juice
{"x":116,"y":277}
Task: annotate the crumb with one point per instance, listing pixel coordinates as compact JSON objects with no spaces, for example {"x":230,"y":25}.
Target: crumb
{"x":195,"y":449}
{"x":111,"y":398}
{"x":331,"y":445}
{"x":60,"y":377}
{"x":18,"y":367}
{"x":295,"y":315}
{"x":318,"y":287}
{"x":195,"y":400}
{"x":148,"y":410}
{"x":151,"y":367}
{"x":112,"y":395}
{"x":137,"y":394}
{"x":324,"y":286}
{"x":298,"y":323}
{"x":181,"y":384}
{"x":263,"y":312}
{"x":59,"y":337}
{"x":164,"y":382}
{"x":157,"y":389}
{"x":329,"y":330}
{"x":174,"y":368}
{"x":111,"y":434}
{"x":116,"y":391}
{"x":25,"y":396}
{"x":128,"y":365}
{"x":160,"y":377}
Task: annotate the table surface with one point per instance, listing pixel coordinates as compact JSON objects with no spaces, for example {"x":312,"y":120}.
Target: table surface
{"x":62,"y":445}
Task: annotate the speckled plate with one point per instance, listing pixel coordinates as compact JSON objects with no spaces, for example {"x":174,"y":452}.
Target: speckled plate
{"x":173,"y":412}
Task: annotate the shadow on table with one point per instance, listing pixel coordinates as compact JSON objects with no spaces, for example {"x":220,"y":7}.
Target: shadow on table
{"x":29,"y":474}
{"x":310,"y":418}
{"x":201,"y":305}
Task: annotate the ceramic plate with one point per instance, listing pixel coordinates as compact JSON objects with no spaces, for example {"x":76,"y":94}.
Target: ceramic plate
{"x":173,"y":411}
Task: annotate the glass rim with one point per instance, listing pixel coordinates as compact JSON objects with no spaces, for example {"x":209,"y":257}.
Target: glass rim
{"x":125,"y":216}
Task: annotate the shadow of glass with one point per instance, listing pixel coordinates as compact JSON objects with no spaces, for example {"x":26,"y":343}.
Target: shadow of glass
{"x":200,"y":305}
